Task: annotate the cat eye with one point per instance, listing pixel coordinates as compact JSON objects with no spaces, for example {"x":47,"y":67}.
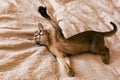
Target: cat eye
{"x":41,"y":34}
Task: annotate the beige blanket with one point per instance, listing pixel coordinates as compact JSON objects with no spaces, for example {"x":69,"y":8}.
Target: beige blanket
{"x":22,"y":59}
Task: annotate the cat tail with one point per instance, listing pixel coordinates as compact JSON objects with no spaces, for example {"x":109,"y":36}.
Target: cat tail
{"x":112,"y":32}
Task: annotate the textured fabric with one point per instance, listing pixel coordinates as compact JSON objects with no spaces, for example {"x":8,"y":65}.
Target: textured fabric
{"x":22,"y":59}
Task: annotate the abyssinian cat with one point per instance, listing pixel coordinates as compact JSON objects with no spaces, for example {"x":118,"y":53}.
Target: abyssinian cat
{"x":61,"y":47}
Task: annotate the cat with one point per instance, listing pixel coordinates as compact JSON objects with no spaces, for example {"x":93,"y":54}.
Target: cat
{"x":61,"y":47}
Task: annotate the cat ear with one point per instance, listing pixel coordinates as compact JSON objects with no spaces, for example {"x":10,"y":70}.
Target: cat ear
{"x":40,"y":27}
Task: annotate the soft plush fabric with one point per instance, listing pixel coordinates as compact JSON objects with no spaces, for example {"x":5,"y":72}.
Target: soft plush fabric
{"x":22,"y":59}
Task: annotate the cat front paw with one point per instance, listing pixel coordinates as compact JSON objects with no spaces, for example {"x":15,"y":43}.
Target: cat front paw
{"x":70,"y":72}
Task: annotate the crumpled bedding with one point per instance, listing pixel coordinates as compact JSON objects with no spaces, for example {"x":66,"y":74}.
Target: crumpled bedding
{"x":22,"y":59}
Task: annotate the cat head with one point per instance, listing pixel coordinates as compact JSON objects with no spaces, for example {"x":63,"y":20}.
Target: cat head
{"x":41,"y":36}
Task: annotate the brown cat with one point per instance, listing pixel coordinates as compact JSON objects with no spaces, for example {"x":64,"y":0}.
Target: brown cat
{"x":55,"y":41}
